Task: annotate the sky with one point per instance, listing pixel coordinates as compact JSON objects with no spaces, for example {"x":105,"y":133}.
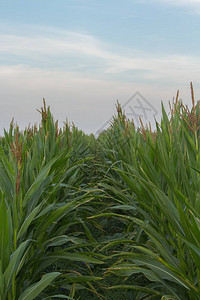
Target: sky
{"x":84,"y":55}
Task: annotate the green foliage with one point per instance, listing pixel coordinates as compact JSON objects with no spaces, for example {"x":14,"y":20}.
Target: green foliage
{"x":116,"y":216}
{"x":153,"y":178}
{"x":43,"y":205}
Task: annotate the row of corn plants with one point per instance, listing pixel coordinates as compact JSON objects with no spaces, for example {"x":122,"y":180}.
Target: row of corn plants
{"x":152,"y":181}
{"x":46,"y":247}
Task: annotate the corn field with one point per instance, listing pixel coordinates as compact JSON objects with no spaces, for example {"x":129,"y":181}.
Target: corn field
{"x":115,"y":216}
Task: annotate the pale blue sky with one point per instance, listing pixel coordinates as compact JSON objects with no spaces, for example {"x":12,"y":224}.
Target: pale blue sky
{"x":83,"y":55}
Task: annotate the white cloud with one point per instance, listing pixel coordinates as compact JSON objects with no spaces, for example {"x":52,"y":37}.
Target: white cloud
{"x":68,"y":43}
{"x":84,"y":52}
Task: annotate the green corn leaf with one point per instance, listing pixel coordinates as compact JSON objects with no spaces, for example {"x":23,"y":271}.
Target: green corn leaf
{"x":6,"y":185}
{"x":125,"y":269}
{"x":2,"y":283}
{"x":86,"y":258}
{"x":35,"y":289}
{"x":29,"y":219}
{"x":63,"y":239}
{"x":14,"y":263}
{"x":6,"y":164}
{"x":4,"y":234}
{"x":60,"y":297}
{"x":37,"y":183}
